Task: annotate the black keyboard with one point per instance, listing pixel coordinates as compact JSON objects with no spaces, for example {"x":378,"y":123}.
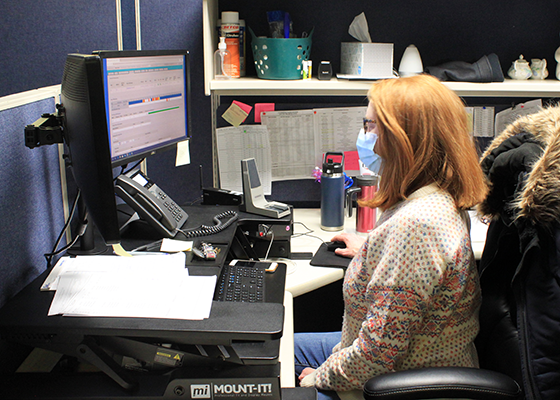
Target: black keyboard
{"x":241,"y":284}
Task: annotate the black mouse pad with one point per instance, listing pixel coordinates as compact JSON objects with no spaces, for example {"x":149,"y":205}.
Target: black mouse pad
{"x":325,"y":258}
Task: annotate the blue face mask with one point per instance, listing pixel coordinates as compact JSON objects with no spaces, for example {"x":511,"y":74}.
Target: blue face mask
{"x":365,"y":145}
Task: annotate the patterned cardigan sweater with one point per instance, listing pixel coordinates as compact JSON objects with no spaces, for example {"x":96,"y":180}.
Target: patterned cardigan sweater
{"x":411,"y":295}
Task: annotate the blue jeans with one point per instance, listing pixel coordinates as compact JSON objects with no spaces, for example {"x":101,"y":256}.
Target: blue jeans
{"x":312,"y":350}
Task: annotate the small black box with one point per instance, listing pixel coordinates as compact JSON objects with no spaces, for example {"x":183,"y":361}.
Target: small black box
{"x":324,"y":72}
{"x":221,"y":197}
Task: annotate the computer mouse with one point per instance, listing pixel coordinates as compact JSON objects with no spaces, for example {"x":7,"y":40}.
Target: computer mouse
{"x":332,"y":246}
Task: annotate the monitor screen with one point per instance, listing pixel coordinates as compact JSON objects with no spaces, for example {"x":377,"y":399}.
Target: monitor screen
{"x":120,"y":107}
{"x":147,"y":102}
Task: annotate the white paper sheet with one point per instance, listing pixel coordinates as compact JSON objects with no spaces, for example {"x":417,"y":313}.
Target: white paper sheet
{"x":336,"y":129}
{"x":292,"y":143}
{"x":238,"y":143}
{"x":481,"y":121}
{"x":156,"y":263}
{"x":288,"y":145}
{"x":174,"y":295}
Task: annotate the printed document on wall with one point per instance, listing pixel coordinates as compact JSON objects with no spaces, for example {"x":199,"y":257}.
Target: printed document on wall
{"x":292,"y":139}
{"x":507,"y":116}
{"x":238,"y":143}
{"x":480,"y":121}
{"x":337,"y":130}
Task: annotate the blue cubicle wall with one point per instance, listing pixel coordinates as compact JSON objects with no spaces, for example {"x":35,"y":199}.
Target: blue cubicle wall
{"x":178,"y":25}
{"x":38,"y":34}
{"x":36,"y":37}
{"x":30,"y":199}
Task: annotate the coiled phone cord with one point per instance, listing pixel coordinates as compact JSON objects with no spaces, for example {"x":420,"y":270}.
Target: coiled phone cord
{"x":219,"y":226}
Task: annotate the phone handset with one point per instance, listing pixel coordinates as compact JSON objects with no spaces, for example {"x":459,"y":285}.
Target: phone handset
{"x":150,"y":202}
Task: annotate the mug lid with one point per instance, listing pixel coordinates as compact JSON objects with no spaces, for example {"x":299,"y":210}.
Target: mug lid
{"x":366,"y":180}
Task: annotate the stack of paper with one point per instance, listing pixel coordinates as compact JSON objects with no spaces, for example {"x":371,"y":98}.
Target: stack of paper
{"x":144,"y":286}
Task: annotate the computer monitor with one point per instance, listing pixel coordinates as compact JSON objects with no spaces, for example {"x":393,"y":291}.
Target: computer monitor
{"x":147,"y":99}
{"x":120,"y":107}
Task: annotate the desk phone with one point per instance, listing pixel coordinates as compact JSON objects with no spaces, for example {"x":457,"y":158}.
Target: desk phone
{"x":150,"y":202}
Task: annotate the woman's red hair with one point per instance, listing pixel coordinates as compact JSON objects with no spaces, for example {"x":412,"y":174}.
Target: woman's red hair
{"x":424,"y":139}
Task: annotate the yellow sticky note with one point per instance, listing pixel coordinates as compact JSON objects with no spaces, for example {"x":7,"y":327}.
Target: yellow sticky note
{"x":118,"y":249}
{"x":183,"y":153}
{"x":173,"y":246}
{"x":235,"y":115}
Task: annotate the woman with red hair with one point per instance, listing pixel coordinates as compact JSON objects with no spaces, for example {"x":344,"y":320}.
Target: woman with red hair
{"x":411,"y":291}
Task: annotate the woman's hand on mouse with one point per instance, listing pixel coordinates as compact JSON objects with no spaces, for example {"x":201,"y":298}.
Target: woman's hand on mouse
{"x":353,"y":243}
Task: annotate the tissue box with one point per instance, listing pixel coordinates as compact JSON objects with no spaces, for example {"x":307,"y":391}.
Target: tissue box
{"x":366,"y":60}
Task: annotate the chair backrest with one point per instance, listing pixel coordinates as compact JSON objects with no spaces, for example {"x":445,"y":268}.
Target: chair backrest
{"x":498,"y":341}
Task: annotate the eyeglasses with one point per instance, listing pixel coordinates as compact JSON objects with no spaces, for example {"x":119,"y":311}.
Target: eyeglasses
{"x":369,"y":124}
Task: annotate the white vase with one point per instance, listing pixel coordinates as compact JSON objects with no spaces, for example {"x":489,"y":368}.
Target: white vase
{"x":411,"y":63}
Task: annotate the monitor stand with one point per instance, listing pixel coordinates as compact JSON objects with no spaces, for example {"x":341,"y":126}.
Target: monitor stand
{"x":229,"y":382}
{"x":127,"y":368}
{"x":88,"y":243}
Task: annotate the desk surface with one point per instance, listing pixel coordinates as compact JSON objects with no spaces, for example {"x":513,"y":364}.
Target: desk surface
{"x":300,"y":278}
{"x":303,"y":278}
{"x":249,"y":331}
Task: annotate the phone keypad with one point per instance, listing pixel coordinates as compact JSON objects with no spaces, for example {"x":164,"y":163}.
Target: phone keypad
{"x":176,"y":211}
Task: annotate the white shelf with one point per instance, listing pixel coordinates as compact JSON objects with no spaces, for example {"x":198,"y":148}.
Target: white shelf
{"x":508,"y":88}
{"x":341,"y":87}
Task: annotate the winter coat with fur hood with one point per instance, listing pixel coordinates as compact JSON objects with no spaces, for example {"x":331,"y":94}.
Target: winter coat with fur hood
{"x":520,"y":266}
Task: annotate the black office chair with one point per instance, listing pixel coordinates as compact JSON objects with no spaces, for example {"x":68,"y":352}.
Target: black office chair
{"x":519,"y":340}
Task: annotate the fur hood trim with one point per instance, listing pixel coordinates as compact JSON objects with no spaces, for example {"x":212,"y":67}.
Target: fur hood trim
{"x":539,"y":199}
